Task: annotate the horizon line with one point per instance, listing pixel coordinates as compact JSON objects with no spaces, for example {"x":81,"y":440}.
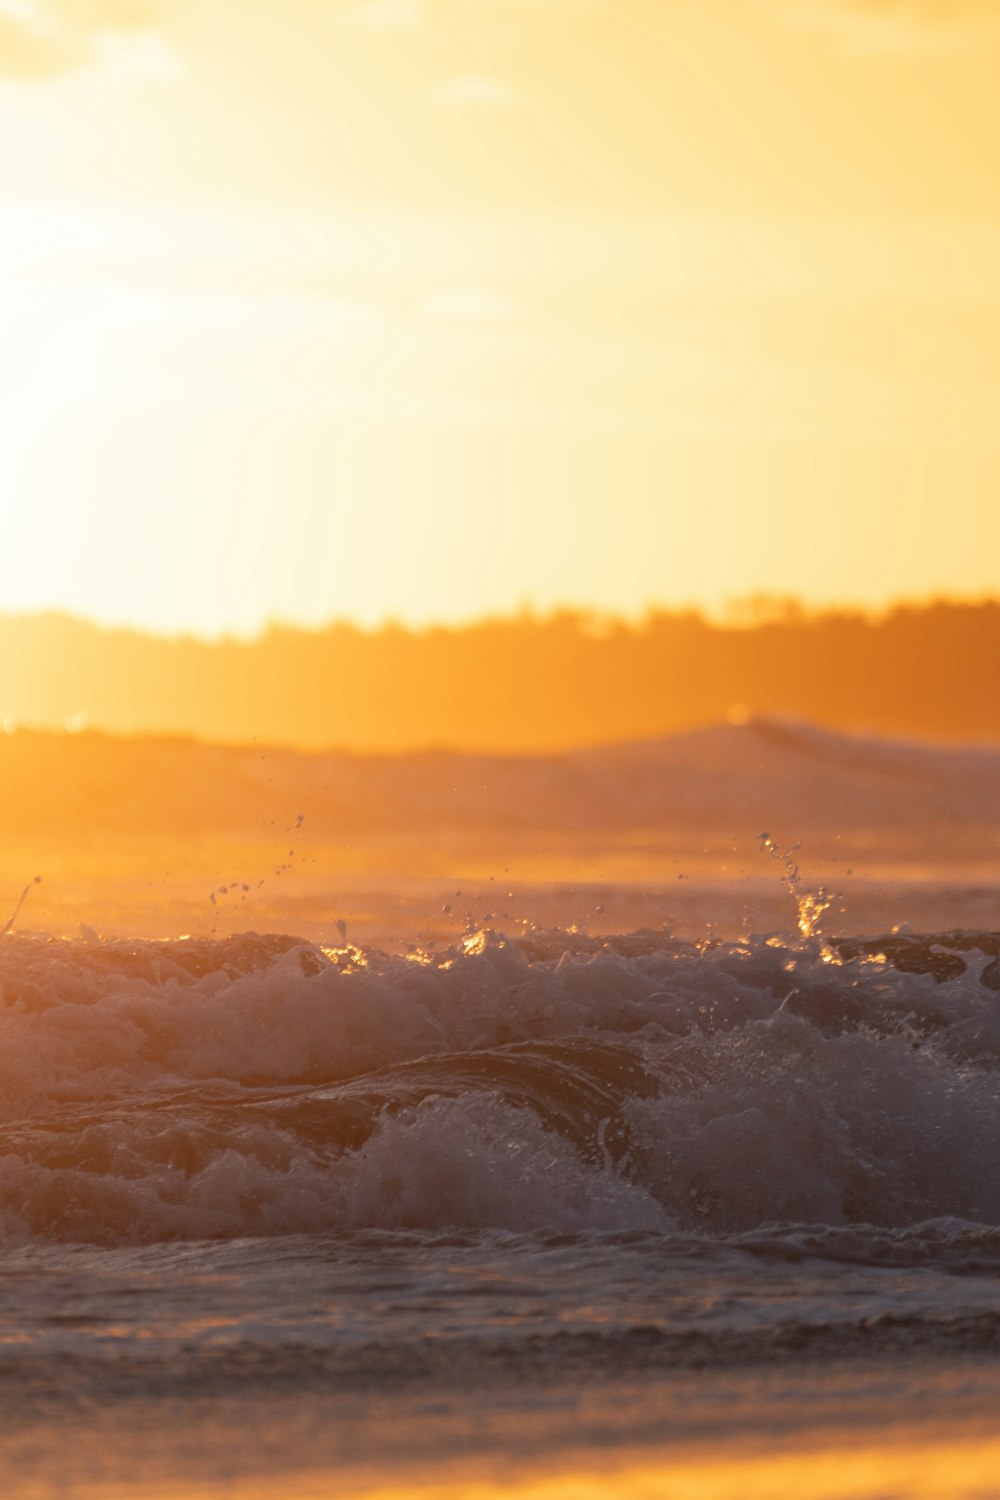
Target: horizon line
{"x":740,"y":613}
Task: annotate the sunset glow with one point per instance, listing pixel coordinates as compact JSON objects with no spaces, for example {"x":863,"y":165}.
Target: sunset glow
{"x":428,"y":309}
{"x":909,"y":1464}
{"x":499,"y":749}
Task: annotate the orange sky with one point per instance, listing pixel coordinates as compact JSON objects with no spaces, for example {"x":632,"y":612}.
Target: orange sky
{"x":429,"y":308}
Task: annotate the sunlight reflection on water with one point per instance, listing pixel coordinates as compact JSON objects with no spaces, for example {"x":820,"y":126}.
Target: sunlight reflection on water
{"x":906,"y":1467}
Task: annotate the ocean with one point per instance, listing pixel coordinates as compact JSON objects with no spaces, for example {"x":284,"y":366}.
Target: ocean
{"x":533,"y":1212}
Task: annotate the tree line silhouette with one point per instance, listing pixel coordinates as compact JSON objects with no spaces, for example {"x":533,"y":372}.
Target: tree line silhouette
{"x":521,"y":683}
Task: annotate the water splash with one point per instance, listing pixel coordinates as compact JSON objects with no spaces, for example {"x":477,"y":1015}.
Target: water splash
{"x":17,"y":909}
{"x":810,"y":905}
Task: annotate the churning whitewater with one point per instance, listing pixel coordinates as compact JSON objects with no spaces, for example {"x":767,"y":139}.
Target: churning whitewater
{"x":846,"y":1090}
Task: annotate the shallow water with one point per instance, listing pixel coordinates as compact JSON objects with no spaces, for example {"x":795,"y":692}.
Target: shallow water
{"x":331,"y":1209}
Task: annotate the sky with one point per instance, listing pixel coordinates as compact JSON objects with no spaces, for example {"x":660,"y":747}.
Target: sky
{"x":433,"y":309}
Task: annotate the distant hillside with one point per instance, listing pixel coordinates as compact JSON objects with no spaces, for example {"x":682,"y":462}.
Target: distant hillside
{"x":513,"y":685}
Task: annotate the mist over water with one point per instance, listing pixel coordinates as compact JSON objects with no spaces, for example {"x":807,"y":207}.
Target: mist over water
{"x":156,"y":838}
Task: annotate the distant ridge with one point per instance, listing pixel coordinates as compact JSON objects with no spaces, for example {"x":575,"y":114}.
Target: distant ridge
{"x":522,"y":684}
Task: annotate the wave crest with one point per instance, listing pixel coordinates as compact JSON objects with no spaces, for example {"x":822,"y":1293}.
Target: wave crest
{"x":262,"y":1085}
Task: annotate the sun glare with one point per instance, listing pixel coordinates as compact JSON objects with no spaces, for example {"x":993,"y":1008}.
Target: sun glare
{"x":476,"y":336}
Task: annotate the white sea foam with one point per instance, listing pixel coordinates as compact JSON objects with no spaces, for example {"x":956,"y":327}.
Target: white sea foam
{"x":263,"y":1086}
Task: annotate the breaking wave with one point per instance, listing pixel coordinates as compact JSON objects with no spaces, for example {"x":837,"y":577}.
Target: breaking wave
{"x":260,"y":1085}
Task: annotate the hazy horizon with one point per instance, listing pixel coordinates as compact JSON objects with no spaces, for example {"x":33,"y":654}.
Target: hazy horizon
{"x":521,"y":683}
{"x":737,"y":612}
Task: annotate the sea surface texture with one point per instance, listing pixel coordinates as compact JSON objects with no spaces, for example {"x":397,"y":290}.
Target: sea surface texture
{"x":261,"y":1086}
{"x":254,"y":1166}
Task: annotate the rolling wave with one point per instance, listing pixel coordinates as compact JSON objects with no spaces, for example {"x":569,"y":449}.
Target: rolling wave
{"x":833,"y":1096}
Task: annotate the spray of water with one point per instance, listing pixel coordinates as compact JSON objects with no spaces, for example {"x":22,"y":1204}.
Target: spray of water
{"x":16,"y":912}
{"x":810,"y":906}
